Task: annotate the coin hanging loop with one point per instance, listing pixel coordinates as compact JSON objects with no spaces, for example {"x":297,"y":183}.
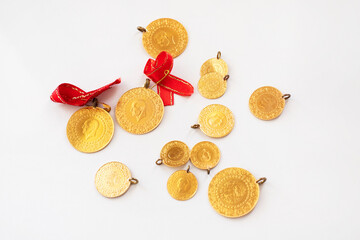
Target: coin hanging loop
{"x":141,"y":29}
{"x":133,"y":181}
{"x":286,"y":96}
{"x":195,"y":126}
{"x":159,"y":161}
{"x":261,"y":180}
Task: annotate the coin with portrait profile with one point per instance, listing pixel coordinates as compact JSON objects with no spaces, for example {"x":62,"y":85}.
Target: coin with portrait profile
{"x":182,"y":185}
{"x":164,"y":34}
{"x":90,"y":129}
{"x":139,"y":110}
{"x":214,"y":65}
{"x":174,"y":154}
{"x":212,"y":85}
{"x":205,"y":155}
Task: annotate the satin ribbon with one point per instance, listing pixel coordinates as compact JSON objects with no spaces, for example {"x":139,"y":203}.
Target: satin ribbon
{"x":159,"y":72}
{"x":69,"y":94}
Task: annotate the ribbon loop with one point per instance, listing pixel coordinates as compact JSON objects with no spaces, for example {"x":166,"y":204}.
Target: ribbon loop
{"x":70,"y":94}
{"x":159,"y":72}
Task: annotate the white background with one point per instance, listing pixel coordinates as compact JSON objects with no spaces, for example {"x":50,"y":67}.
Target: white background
{"x":310,"y":154}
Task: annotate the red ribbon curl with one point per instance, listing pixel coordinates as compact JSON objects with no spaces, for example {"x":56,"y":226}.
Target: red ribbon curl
{"x":69,"y":94}
{"x":159,"y":72}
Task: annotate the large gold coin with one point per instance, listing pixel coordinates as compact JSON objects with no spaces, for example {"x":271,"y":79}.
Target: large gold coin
{"x":233,"y":192}
{"x":212,"y":85}
{"x":165,"y":34}
{"x":205,"y":155}
{"x":112,"y":179}
{"x":90,"y":129}
{"x":214,"y":65}
{"x":216,"y":120}
{"x":175,"y":154}
{"x":139,"y":110}
{"x":182,"y":185}
{"x":266,"y":103}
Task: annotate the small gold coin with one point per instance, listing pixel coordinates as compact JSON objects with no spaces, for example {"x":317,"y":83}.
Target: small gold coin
{"x":90,"y":129}
{"x":216,"y":120}
{"x":175,"y":154}
{"x":266,"y":103}
{"x":182,"y":185}
{"x":212,"y":85}
{"x":233,"y":192}
{"x":165,"y":34}
{"x":205,"y":155}
{"x":214,"y":65}
{"x":139,"y":110}
{"x":113,"y":179}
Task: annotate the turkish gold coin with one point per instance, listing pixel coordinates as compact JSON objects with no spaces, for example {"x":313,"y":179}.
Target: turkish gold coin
{"x":205,"y":155}
{"x":212,"y":85}
{"x":214,"y":65}
{"x":113,"y":179}
{"x":182,"y":185}
{"x":165,"y":34}
{"x":90,"y":129}
{"x":139,"y":110}
{"x":266,"y":103}
{"x":216,"y":120}
{"x":233,"y":192}
{"x":175,"y":154}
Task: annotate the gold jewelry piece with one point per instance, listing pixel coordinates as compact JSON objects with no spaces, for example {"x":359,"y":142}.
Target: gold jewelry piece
{"x":234,"y":192}
{"x":182,"y":185}
{"x":139,"y":110}
{"x":205,"y":155}
{"x":174,"y":154}
{"x":113,"y":179}
{"x":90,"y":129}
{"x":164,"y":34}
{"x":267,"y":103}
{"x":214,"y":65}
{"x":216,"y":121}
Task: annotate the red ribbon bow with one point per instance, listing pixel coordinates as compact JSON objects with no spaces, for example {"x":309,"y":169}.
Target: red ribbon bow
{"x":159,"y":72}
{"x":69,"y":94}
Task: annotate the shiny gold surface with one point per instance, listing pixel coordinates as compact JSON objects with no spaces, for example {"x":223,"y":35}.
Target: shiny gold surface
{"x":165,"y":34}
{"x":182,"y":185}
{"x":112,"y":179}
{"x":205,"y":155}
{"x":216,"y":120}
{"x":233,"y":192}
{"x":214,"y":65}
{"x":175,"y":154}
{"x":212,"y":85}
{"x":90,"y":129}
{"x":266,"y":103}
{"x":139,"y":110}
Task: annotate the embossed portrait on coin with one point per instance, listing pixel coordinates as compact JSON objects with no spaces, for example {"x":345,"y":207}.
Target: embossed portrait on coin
{"x":165,"y":38}
{"x":267,"y":102}
{"x":183,"y":185}
{"x":175,"y":153}
{"x":234,"y":191}
{"x":138,"y":110}
{"x":204,"y":155}
{"x":114,"y":179}
{"x":216,"y":120}
{"x":90,"y":128}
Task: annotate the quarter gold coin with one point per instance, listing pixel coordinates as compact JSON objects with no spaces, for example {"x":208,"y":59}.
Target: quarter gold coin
{"x":266,"y":103}
{"x":214,"y":65}
{"x":212,"y":85}
{"x":175,"y":154}
{"x":233,"y":192}
{"x":216,"y":120}
{"x":165,"y":34}
{"x":139,"y":110}
{"x":90,"y":129}
{"x":205,"y":155}
{"x":182,"y":185}
{"x":113,"y":179}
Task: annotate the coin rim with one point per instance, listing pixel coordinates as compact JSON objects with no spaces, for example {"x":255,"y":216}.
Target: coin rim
{"x":212,"y":95}
{"x":164,"y":151}
{"x":214,"y":146}
{"x":182,"y":199}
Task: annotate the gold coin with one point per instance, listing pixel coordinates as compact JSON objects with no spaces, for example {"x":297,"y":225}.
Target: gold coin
{"x":139,"y":110}
{"x":214,"y":65}
{"x":112,"y":179}
{"x":175,"y":154}
{"x":216,"y":120}
{"x":233,"y":192}
{"x":182,"y":185}
{"x":90,"y":129}
{"x":205,"y":155}
{"x":165,"y":34}
{"x":266,"y":103}
{"x":212,"y":85}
